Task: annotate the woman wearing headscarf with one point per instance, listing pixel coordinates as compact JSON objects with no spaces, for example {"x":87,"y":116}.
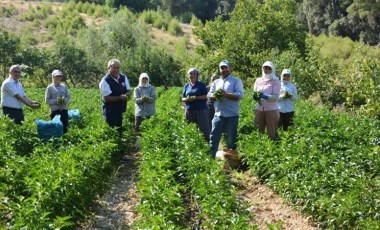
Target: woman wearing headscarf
{"x":145,"y":99}
{"x":194,"y":95}
{"x":267,"y":110}
{"x":288,"y":94}
{"x":57,"y":97}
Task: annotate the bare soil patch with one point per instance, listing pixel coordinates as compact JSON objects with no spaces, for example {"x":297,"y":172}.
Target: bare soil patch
{"x":267,"y":207}
{"x":118,"y":208}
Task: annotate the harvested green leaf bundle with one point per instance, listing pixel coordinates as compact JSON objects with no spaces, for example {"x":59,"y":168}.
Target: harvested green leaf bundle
{"x":256,"y":97}
{"x":219,"y":94}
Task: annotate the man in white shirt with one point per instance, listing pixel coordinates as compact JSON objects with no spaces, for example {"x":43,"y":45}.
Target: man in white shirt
{"x":13,"y":96}
{"x":114,"y":88}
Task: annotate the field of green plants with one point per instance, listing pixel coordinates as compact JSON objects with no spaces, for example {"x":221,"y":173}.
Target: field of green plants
{"x":327,"y":165}
{"x":52,"y":185}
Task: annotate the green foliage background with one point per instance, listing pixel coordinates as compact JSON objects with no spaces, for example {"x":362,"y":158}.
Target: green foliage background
{"x":331,"y":70}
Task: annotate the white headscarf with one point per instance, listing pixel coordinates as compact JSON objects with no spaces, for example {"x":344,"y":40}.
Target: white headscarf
{"x":285,"y":71}
{"x":269,"y":76}
{"x":141,"y":84}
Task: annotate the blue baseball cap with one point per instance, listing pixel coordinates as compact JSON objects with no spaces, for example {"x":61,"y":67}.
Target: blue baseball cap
{"x":224,"y":63}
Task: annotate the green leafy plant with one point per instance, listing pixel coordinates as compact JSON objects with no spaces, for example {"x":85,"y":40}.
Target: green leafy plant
{"x":219,"y":94}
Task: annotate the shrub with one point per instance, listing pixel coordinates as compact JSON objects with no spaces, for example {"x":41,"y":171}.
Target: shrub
{"x":174,"y":27}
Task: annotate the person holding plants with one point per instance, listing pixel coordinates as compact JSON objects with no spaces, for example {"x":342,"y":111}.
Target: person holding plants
{"x":13,"y":96}
{"x":57,"y":97}
{"x":268,"y":89}
{"x":226,"y":93}
{"x":114,"y":88}
{"x":288,"y":94}
{"x":145,"y":97}
{"x":210,"y":103}
{"x":194,"y":95}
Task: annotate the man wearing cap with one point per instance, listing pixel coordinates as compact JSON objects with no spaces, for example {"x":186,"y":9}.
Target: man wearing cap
{"x":114,"y":88}
{"x":226,"y":93}
{"x":13,"y":96}
{"x":57,"y":97}
{"x":288,"y":94}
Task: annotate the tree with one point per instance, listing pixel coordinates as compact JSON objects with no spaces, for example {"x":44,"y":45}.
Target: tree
{"x":252,"y":32}
{"x":70,"y":59}
{"x":9,"y":44}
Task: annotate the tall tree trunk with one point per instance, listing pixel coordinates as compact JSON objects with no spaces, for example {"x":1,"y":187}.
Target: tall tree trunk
{"x":336,"y":9}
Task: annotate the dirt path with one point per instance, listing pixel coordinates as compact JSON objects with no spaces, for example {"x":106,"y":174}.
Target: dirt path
{"x":267,"y":206}
{"x":117,"y":209}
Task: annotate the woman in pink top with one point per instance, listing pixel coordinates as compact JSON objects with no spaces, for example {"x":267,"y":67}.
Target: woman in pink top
{"x":267,"y":110}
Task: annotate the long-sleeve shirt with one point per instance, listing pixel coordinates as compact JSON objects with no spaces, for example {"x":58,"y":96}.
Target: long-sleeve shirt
{"x":286,"y":104}
{"x":227,"y":107}
{"x":53,"y":92}
{"x":144,"y":109}
{"x":270,"y":88}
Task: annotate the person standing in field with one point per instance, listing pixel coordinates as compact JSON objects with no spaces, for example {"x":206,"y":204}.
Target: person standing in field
{"x":57,"y":97}
{"x":114,"y":88}
{"x":145,"y":98}
{"x":267,"y":111}
{"x":13,"y":96}
{"x":194,"y":95}
{"x":210,"y":103}
{"x":226,"y":93}
{"x":288,"y":94}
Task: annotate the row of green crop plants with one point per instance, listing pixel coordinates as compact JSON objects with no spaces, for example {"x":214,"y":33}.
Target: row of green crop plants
{"x":327,"y":165}
{"x":52,"y":185}
{"x":181,"y":186}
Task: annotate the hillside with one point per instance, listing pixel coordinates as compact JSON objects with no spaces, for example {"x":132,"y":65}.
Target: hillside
{"x":13,"y":22}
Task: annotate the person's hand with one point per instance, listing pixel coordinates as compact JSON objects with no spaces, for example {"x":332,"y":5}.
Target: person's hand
{"x":190,"y":98}
{"x":264,"y":96}
{"x":145,"y":99}
{"x":123,"y":97}
{"x":35,"y":105}
{"x":60,"y":101}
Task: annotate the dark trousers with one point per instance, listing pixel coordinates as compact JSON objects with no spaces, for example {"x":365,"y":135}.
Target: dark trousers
{"x":211,"y":114}
{"x":114,"y":118}
{"x":286,"y":120}
{"x":138,"y":121}
{"x":17,"y":115}
{"x":64,"y":117}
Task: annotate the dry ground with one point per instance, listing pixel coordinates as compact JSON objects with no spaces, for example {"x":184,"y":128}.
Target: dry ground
{"x":117,"y":209}
{"x":15,"y":25}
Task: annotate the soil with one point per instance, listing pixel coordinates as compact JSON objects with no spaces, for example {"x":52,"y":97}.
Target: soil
{"x":118,"y":208}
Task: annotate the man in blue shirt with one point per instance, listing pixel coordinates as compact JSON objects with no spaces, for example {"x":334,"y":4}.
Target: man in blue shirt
{"x":226,"y":93}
